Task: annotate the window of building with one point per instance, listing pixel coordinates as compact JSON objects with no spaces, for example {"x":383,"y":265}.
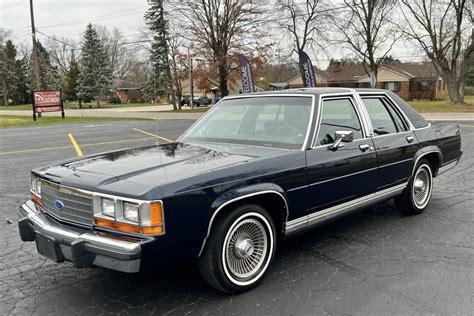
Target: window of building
{"x":394,"y":86}
{"x":337,"y":115}
{"x":424,"y":85}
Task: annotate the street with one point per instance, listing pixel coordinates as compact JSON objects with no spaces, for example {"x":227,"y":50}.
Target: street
{"x":373,"y":262}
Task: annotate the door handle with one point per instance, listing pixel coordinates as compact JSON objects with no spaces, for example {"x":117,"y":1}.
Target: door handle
{"x":410,"y":139}
{"x":365,"y":147}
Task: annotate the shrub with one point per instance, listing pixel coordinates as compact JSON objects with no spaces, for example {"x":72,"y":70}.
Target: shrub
{"x":115,"y":100}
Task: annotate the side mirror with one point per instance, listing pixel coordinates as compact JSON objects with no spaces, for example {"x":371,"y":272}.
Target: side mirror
{"x":341,"y":137}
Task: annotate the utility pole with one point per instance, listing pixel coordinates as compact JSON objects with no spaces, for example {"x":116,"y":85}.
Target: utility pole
{"x":191,"y":88}
{"x":35,"y":51}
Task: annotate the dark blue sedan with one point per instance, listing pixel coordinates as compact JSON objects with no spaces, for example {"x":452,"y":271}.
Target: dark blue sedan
{"x":255,"y":169}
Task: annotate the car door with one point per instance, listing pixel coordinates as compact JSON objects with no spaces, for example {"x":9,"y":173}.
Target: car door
{"x":394,"y":142}
{"x":345,"y":174}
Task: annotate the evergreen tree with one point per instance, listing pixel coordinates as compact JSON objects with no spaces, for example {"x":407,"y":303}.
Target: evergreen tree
{"x":8,"y":77}
{"x":95,"y":72}
{"x":23,"y":91}
{"x":72,"y":80}
{"x":160,"y":81}
{"x":49,"y":76}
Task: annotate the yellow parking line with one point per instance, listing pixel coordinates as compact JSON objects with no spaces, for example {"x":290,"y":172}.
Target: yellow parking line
{"x":65,"y":147}
{"x":154,"y":135}
{"x":75,"y":145}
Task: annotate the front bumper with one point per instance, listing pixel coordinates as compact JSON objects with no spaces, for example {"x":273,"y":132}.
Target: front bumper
{"x":84,"y":249}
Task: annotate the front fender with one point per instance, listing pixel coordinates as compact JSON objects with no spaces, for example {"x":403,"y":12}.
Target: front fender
{"x":241,"y":193}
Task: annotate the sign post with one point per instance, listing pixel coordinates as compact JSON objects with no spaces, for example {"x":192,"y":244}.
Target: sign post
{"x":47,"y":101}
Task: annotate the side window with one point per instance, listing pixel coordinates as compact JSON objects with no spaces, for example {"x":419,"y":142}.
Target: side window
{"x":385,"y":120}
{"x":337,"y":115}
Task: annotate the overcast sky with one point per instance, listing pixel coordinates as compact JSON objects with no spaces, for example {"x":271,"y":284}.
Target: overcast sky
{"x":69,"y":18}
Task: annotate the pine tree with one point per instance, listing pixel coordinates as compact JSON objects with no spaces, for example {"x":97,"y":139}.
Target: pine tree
{"x":49,"y":76}
{"x":72,"y":80}
{"x":95,"y":72}
{"x":8,"y":77}
{"x":160,"y":80}
{"x":22,"y":93}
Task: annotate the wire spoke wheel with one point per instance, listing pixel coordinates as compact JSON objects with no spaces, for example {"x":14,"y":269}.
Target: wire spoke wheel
{"x":246,"y":248}
{"x":422,"y":185}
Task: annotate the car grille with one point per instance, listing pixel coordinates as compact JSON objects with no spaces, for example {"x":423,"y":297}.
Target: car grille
{"x":77,"y":205}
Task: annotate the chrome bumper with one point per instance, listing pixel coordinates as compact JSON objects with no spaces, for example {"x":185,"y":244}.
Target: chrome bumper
{"x":84,"y":249}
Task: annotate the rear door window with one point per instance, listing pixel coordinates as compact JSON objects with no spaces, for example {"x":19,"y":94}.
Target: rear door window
{"x":385,"y":119}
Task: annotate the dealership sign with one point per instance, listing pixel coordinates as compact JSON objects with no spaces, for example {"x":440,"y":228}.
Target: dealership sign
{"x":47,"y":101}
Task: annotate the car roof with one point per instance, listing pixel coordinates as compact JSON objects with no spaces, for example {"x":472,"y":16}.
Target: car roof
{"x":313,"y":91}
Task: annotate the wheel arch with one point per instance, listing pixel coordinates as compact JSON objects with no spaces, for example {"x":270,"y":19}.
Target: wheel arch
{"x":264,"y":194}
{"x":432,"y":154}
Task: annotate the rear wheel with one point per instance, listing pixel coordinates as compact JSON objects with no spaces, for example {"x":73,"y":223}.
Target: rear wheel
{"x":417,"y":194}
{"x":239,"y":249}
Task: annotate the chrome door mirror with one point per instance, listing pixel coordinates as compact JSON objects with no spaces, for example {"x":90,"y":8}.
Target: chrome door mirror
{"x":341,"y":137}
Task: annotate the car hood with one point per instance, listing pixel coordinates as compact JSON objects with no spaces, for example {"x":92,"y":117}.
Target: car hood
{"x":133,"y":172}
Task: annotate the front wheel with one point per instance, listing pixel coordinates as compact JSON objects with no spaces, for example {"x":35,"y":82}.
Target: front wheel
{"x":239,"y":249}
{"x":417,"y":194}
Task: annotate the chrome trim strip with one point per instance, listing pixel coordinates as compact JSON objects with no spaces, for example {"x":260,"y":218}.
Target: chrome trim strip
{"x":246,"y":96}
{"x":365,"y":115}
{"x":331,"y":212}
{"x":344,"y":176}
{"x":298,"y":188}
{"x":395,"y":163}
{"x":448,"y":166}
{"x":234,"y":200}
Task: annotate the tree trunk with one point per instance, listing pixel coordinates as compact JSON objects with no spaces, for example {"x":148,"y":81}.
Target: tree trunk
{"x":455,"y":95}
{"x":98,"y":101}
{"x":5,"y":94}
{"x":223,"y":77}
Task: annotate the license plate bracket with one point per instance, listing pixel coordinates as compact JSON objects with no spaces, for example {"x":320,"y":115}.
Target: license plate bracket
{"x":49,"y":248}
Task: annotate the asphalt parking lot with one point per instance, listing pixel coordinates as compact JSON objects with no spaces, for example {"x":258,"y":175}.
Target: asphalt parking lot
{"x":373,"y":262}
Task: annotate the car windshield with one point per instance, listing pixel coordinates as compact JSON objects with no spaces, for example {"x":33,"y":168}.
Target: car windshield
{"x":280,"y":122}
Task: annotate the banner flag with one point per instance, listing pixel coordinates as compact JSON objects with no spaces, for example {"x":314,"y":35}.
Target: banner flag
{"x":246,"y":74}
{"x":309,"y":79}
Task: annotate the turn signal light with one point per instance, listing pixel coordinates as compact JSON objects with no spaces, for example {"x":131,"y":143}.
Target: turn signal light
{"x":156,"y":214}
{"x":120,"y":226}
{"x":36,"y":199}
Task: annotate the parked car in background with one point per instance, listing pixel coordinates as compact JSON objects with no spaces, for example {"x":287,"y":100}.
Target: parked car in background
{"x":255,"y":169}
{"x":199,"y":101}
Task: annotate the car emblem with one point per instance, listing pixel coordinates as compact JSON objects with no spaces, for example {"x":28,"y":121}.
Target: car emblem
{"x":58,"y":204}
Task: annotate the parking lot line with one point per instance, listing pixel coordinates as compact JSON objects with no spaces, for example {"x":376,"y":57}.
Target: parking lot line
{"x":154,"y":135}
{"x":83,"y":145}
{"x":463,"y":125}
{"x":75,"y":145}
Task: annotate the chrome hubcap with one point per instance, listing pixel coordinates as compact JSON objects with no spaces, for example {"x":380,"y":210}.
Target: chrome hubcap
{"x":246,"y":248}
{"x":422,"y":187}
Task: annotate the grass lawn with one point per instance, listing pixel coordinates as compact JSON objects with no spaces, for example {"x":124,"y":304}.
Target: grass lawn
{"x":20,"y":120}
{"x":188,"y":110}
{"x":440,"y":106}
{"x":74,"y":106}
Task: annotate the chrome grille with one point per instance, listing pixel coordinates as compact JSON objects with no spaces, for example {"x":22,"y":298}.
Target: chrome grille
{"x":77,"y":205}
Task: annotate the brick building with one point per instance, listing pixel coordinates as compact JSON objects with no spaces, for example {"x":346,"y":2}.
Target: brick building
{"x":409,"y":80}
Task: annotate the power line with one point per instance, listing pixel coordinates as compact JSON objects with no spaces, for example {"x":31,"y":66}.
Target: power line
{"x":13,"y":4}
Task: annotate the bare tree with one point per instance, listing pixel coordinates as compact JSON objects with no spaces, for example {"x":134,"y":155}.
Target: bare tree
{"x":175,"y":42}
{"x":367,"y":29}
{"x":61,"y":51}
{"x":444,"y":31}
{"x":120,"y":55}
{"x":221,"y":27}
{"x":303,"y":21}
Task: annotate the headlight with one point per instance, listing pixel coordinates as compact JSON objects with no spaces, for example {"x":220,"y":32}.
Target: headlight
{"x":130,"y":211}
{"x":35,"y":186}
{"x":135,"y":216}
{"x":107,"y":207}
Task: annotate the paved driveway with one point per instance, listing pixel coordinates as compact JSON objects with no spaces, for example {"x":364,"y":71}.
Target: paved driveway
{"x":373,"y":262}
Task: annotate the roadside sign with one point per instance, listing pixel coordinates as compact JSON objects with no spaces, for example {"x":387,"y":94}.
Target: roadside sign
{"x":47,"y":101}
